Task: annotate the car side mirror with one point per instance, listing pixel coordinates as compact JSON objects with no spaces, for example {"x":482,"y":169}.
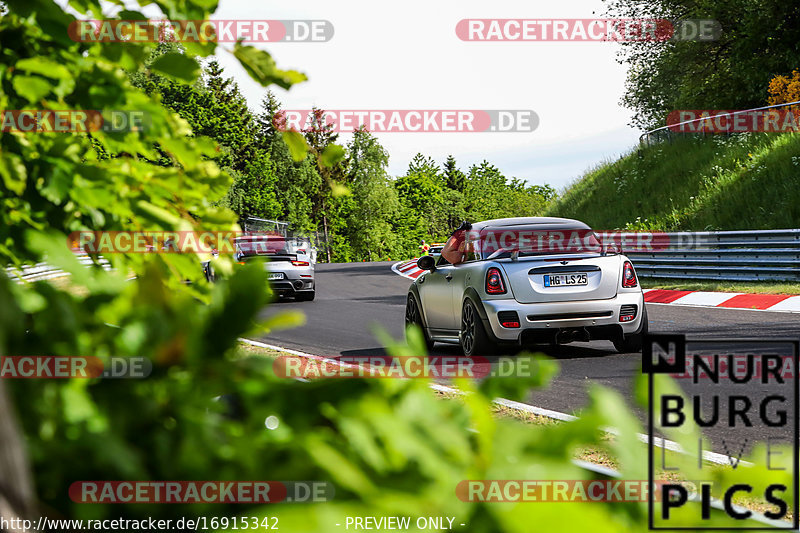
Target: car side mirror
{"x":427,"y":262}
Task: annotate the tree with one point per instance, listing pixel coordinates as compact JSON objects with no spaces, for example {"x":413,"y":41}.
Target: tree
{"x":224,"y":90}
{"x":375,"y":201}
{"x":320,"y":135}
{"x":485,"y":195}
{"x":214,"y":107}
{"x":489,"y":194}
{"x":420,"y":194}
{"x":421,"y":164}
{"x":454,"y":178}
{"x":297,"y":183}
{"x":759,"y":39}
{"x":785,"y":89}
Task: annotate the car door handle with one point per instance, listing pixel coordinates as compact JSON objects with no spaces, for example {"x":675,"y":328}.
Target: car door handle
{"x":448,"y":277}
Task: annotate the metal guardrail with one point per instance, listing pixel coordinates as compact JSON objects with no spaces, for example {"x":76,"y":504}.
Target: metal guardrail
{"x":668,"y":129}
{"x":751,"y":255}
{"x":724,"y":255}
{"x":42,"y":271}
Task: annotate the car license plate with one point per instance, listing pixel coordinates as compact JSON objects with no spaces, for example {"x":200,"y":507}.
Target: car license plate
{"x":560,"y":280}
{"x":275,"y":275}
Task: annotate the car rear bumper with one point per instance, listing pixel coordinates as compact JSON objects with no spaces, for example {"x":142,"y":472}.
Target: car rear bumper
{"x":560,"y":321}
{"x":295,"y":279}
{"x":290,"y":287}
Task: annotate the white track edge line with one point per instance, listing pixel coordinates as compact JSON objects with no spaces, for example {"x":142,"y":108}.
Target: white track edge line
{"x":709,"y":456}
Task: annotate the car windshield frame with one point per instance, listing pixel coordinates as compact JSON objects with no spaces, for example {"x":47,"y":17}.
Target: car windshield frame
{"x":569,"y":231}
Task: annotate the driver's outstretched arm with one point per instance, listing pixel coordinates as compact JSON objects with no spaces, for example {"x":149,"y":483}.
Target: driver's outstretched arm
{"x":454,"y":250}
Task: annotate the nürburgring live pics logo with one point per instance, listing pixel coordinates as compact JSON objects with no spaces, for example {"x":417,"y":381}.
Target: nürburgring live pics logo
{"x":742,"y":394}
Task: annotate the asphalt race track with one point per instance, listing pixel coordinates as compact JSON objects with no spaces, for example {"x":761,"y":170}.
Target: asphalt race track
{"x":354,"y":299}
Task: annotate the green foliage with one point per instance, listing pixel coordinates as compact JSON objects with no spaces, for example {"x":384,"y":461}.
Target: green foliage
{"x":746,"y":181}
{"x":177,"y":66}
{"x":262,"y":68}
{"x":759,"y":40}
{"x":369,"y":212}
{"x":331,"y":155}
{"x":164,"y":177}
{"x":343,"y":198}
{"x":296,"y":181}
{"x":215,"y":107}
{"x":454,"y":178}
{"x":489,"y":194}
{"x":389,"y":446}
{"x":298,"y":147}
{"x":434,"y":202}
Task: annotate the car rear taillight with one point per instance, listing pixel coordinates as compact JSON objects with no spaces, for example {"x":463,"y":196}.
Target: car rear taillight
{"x":300,"y":263}
{"x":628,"y":275}
{"x":494,"y":282}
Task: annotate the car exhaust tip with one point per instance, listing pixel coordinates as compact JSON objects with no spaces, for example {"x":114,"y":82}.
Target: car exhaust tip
{"x":565,"y":336}
{"x":298,"y":284}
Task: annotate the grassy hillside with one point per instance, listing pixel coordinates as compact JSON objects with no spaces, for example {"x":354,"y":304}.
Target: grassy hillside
{"x":747,"y":181}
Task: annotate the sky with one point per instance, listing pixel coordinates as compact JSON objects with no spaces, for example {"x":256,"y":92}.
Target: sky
{"x":407,"y":56}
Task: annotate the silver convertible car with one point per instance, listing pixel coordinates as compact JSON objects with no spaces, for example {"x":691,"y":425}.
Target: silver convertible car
{"x":528,"y":281}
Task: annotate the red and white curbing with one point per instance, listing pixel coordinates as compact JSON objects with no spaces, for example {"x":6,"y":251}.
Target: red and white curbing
{"x":407,"y":269}
{"x":731,"y":300}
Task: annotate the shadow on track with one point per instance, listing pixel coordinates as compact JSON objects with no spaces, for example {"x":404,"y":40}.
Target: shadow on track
{"x":390,"y":300}
{"x":562,"y":351}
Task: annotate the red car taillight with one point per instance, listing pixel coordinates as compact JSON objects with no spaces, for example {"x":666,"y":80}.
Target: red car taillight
{"x":628,"y":275}
{"x":494,"y":282}
{"x":300,"y":263}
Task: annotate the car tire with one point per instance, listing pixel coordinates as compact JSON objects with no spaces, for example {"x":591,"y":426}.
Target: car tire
{"x":473,"y":337}
{"x":633,"y":343}
{"x":307,"y":296}
{"x":414,"y":318}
